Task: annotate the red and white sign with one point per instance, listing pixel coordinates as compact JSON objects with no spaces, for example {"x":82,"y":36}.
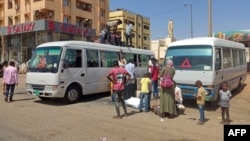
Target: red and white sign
{"x":186,"y":64}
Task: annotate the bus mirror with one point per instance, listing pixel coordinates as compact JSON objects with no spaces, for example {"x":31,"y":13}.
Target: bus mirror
{"x":55,"y":65}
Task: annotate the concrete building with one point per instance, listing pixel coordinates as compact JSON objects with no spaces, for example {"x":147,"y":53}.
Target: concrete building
{"x":141,"y":27}
{"x":159,"y":46}
{"x":26,"y":23}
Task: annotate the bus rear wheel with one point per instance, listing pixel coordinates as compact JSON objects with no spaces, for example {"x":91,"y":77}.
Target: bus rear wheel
{"x":72,"y":95}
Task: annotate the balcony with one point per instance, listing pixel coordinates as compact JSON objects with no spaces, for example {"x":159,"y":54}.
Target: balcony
{"x":44,"y":4}
{"x":43,"y":14}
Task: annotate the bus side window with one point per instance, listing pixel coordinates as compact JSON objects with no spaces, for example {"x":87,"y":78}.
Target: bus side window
{"x":92,"y":58}
{"x":78,"y":59}
{"x":218,"y":59}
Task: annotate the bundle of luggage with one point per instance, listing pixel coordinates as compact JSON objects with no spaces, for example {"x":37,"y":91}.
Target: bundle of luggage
{"x":156,"y":109}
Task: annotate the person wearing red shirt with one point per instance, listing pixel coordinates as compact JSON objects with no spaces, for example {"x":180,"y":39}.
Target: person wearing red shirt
{"x":119,"y":76}
{"x":154,"y":70}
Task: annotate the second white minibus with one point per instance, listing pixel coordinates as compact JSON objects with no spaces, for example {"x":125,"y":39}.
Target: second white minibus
{"x":210,"y":60}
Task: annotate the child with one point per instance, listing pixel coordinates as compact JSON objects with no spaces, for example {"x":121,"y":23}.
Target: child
{"x":145,"y":89}
{"x":178,"y":99}
{"x":200,"y":96}
{"x":225,"y":95}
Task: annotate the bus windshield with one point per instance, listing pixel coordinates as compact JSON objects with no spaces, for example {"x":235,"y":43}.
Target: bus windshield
{"x":193,"y":57}
{"x":45,"y":59}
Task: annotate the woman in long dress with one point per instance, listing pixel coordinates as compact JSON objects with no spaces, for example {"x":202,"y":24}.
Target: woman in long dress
{"x":167,"y":95}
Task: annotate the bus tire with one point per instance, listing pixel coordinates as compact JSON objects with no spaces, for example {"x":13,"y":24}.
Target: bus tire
{"x":239,"y":86}
{"x":72,"y":95}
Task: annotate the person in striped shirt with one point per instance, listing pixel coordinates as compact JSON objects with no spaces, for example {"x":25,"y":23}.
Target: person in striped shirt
{"x":10,"y":79}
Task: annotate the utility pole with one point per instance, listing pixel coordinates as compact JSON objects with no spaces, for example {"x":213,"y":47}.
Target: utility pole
{"x":210,"y":34}
{"x":191,"y":17}
{"x":3,"y":47}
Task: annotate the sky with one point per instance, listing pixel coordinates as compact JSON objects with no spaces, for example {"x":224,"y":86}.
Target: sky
{"x":227,"y":15}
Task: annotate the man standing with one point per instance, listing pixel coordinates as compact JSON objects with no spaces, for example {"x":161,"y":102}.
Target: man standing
{"x":130,"y":85}
{"x":118,"y":76}
{"x":112,"y":24}
{"x":128,"y":33}
{"x":10,"y":79}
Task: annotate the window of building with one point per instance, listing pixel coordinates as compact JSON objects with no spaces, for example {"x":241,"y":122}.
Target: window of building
{"x":145,"y":37}
{"x":84,"y":6}
{"x":102,"y":13}
{"x":66,"y":19}
{"x":146,"y":27}
{"x":26,"y":18}
{"x":65,"y":2}
{"x":10,"y":20}
{"x":132,"y":22}
{"x":10,"y":5}
{"x":1,"y":23}
{"x":17,"y":21}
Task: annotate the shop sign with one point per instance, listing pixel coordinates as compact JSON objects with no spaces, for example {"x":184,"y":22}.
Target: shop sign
{"x":21,"y":28}
{"x":68,"y":28}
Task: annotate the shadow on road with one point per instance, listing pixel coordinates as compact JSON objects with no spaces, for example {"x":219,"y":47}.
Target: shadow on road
{"x":100,"y":97}
{"x":191,"y":103}
{"x":24,"y":99}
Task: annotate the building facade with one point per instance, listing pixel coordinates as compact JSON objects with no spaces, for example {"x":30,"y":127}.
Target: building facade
{"x":141,"y":27}
{"x":159,"y":46}
{"x":24,"y":24}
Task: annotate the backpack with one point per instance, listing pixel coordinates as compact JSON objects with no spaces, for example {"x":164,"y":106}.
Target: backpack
{"x":166,"y":81}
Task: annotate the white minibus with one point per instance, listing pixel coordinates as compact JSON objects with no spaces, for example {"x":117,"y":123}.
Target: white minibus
{"x":69,"y":69}
{"x":210,"y":60}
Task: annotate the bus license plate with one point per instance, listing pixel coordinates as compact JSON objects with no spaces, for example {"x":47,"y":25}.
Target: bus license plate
{"x":37,"y":93}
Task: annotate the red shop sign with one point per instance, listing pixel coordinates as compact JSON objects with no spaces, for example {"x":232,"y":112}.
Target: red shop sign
{"x":26,"y":27}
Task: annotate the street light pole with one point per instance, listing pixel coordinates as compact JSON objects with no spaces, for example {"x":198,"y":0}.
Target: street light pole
{"x":191,"y":15}
{"x":209,"y":18}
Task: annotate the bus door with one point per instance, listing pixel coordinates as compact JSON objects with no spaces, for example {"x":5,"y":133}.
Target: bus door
{"x":73,"y":70}
{"x":219,"y":72}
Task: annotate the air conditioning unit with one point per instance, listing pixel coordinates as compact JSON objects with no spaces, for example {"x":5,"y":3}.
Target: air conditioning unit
{"x":16,"y":7}
{"x":50,"y":13}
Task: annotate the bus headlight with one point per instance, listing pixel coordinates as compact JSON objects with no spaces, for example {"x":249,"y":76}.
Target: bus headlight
{"x":208,"y":92}
{"x":28,"y":86}
{"x":50,"y":88}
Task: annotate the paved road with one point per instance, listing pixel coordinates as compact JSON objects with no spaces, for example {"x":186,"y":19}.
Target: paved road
{"x":30,"y":119}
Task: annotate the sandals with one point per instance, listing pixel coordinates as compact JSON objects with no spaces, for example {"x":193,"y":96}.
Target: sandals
{"x":116,"y":117}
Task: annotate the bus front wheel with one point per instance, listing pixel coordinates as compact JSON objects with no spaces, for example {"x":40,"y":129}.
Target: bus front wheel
{"x":72,"y":95}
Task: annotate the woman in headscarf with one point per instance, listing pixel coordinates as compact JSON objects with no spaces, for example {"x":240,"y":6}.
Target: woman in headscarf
{"x":167,"y":95}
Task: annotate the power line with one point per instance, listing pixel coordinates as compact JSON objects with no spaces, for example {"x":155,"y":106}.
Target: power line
{"x":166,"y":12}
